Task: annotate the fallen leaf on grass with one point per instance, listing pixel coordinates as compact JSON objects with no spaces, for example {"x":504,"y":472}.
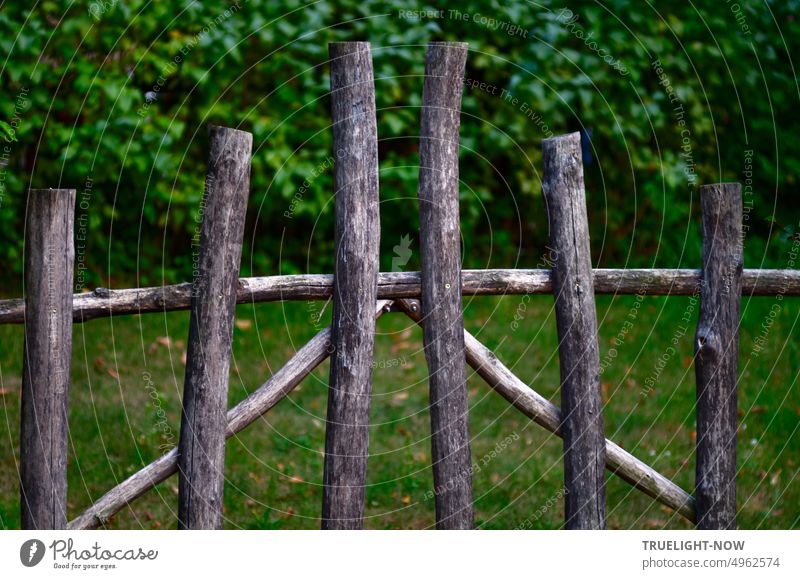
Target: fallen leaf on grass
{"x":400,"y":396}
{"x":395,"y":348}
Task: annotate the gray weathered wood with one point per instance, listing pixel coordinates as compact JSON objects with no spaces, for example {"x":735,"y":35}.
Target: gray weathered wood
{"x":716,"y":355}
{"x":440,"y":246}
{"x":103,"y":302}
{"x":49,"y":262}
{"x":239,"y":417}
{"x":355,"y":285}
{"x":576,"y":320}
{"x":548,"y":415}
{"x":201,"y":448}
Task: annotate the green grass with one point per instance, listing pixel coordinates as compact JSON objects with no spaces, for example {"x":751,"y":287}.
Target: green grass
{"x":119,"y":419}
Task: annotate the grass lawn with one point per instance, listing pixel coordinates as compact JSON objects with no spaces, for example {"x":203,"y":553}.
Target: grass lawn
{"x":127,"y":379}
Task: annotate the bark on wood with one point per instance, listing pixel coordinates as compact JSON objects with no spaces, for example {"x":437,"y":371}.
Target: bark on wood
{"x":49,"y":261}
{"x":716,"y":355}
{"x":104,"y":302}
{"x":201,"y":449}
{"x":240,"y":417}
{"x":440,"y":246}
{"x":576,"y":319}
{"x":548,"y":415}
{"x":355,"y":289}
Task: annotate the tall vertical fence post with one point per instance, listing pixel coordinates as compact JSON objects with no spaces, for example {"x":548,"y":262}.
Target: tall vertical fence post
{"x":716,"y":355}
{"x":201,"y":447}
{"x":443,"y":320}
{"x":355,"y":291}
{"x":576,"y":320}
{"x":48,"y":276}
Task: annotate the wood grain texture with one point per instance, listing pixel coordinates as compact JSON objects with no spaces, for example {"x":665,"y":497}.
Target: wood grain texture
{"x":49,"y":263}
{"x":239,"y":417}
{"x":717,"y":354}
{"x":548,"y":415}
{"x":201,"y":448}
{"x":104,"y":302}
{"x":576,"y":320}
{"x":355,"y":285}
{"x":440,"y":246}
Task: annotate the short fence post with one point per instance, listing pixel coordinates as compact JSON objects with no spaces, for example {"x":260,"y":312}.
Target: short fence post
{"x":201,"y":447}
{"x":576,"y":319}
{"x":355,"y":291}
{"x":443,"y":319}
{"x":49,"y":263}
{"x":716,"y":355}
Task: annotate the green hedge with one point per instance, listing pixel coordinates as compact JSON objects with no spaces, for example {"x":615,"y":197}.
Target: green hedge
{"x":114,"y":98}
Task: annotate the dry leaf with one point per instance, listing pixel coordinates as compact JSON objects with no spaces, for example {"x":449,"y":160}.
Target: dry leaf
{"x":400,"y":396}
{"x":404,"y":345}
{"x":775,"y":478}
{"x":243,"y":324}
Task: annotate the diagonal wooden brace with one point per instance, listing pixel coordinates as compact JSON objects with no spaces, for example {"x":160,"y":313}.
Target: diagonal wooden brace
{"x":548,"y":415}
{"x":239,"y":417}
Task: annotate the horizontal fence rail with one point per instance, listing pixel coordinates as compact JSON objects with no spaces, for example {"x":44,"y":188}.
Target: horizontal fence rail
{"x":104,"y":302}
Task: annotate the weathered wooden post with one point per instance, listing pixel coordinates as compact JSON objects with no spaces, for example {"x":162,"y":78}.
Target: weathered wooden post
{"x":357,"y":241}
{"x":576,"y":319}
{"x":48,"y":276}
{"x":443,"y":320}
{"x":716,"y":355}
{"x":201,"y":447}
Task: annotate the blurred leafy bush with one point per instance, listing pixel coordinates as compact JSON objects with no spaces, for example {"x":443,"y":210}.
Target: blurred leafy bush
{"x":113,"y":98}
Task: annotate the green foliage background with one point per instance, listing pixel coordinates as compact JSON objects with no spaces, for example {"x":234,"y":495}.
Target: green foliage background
{"x":75,"y":80}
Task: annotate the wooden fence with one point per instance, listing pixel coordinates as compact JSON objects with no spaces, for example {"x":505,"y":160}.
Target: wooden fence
{"x":360,"y":295}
